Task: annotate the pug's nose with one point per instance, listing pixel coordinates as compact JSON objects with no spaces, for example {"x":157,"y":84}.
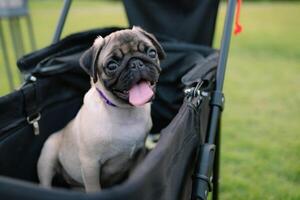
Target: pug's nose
{"x":136,"y":64}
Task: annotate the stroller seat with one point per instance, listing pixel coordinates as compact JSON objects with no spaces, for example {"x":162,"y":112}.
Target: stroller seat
{"x":57,"y":95}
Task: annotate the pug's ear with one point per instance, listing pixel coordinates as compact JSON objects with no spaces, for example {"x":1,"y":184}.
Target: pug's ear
{"x":88,"y":60}
{"x":160,"y":51}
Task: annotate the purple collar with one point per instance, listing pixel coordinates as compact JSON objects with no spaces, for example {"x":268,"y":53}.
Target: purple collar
{"x":105,"y":99}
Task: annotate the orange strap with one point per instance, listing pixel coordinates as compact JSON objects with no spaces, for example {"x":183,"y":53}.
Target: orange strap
{"x":238,"y":27}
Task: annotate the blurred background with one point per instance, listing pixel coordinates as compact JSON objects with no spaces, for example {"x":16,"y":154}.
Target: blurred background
{"x":261,"y":123}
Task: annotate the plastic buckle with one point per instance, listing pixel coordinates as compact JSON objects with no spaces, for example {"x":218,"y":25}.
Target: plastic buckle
{"x":202,"y":178}
{"x":205,"y":179}
{"x":217,"y":99}
{"x":33,"y":119}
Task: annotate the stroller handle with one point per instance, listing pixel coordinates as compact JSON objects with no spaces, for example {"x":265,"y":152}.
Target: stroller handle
{"x":61,"y":21}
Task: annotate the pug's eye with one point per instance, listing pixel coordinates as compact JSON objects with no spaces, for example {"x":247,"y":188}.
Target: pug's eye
{"x":151,"y":53}
{"x":112,"y":65}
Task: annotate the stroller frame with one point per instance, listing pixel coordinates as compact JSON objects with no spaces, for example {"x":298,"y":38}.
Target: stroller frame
{"x":207,"y":171}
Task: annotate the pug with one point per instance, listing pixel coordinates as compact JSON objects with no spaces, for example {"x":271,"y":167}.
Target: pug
{"x":97,"y":147}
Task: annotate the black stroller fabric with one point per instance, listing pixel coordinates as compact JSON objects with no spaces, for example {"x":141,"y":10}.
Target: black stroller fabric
{"x":191,"y":21}
{"x":57,"y":94}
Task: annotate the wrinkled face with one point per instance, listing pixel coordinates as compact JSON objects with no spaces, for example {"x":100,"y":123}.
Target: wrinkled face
{"x":127,"y":64}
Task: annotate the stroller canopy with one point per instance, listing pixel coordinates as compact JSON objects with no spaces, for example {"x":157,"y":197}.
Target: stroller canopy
{"x":191,"y":21}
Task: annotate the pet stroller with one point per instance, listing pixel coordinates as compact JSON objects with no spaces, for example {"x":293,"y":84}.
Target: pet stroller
{"x":186,"y":111}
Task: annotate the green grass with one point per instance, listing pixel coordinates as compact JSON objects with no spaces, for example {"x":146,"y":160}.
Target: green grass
{"x":261,"y":141}
{"x":261,"y":123}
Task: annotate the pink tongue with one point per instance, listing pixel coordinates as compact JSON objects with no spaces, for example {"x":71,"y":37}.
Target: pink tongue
{"x":140,"y":94}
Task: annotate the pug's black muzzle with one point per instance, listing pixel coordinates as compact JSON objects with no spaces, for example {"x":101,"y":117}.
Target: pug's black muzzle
{"x":133,"y":69}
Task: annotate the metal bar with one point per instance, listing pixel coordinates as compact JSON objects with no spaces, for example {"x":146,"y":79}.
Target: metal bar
{"x":61,"y":21}
{"x":225,"y":43}
{"x":19,"y":42}
{"x":19,"y":36}
{"x":5,"y":58}
{"x":216,"y":167}
{"x":13,"y":30}
{"x":206,"y":154}
{"x":31,"y":33}
{"x":13,"y":24}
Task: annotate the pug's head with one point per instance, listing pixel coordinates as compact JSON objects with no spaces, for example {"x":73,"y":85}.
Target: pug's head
{"x":127,"y":63}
